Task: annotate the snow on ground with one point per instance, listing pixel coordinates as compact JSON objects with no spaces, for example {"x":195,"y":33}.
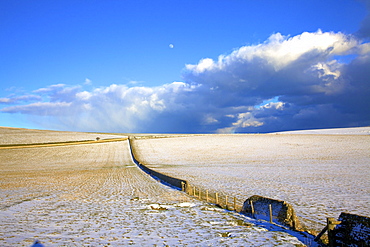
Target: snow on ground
{"x":320,"y":175}
{"x":93,"y":195}
{"x":10,"y":136}
{"x":337,"y":131}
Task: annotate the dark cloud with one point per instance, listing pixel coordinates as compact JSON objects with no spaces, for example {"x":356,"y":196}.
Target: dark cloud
{"x":314,"y":89}
{"x":364,"y":31}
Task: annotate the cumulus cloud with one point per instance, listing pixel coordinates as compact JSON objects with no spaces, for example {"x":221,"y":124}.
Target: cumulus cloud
{"x":284,"y":83}
{"x":278,"y":52}
{"x":302,"y":71}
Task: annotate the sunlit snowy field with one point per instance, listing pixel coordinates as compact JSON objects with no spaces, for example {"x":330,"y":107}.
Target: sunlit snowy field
{"x":11,"y":136}
{"x":93,"y":195}
{"x":321,"y":173}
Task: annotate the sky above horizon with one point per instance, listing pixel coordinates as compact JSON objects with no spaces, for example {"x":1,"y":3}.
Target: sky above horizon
{"x":184,"y":66}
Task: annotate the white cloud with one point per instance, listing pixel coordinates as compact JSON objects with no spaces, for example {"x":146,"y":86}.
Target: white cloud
{"x":115,"y":108}
{"x":50,"y":88}
{"x":325,"y":70}
{"x":87,"y":81}
{"x":5,"y":100}
{"x":244,"y":120}
{"x":84,"y":95}
{"x":208,"y":119}
{"x":283,"y":83}
{"x":301,"y":70}
{"x":279,"y":51}
{"x":274,"y":105}
{"x":364,"y":49}
{"x":134,"y":82}
{"x":17,"y":99}
{"x":204,"y":64}
{"x":40,"y":108}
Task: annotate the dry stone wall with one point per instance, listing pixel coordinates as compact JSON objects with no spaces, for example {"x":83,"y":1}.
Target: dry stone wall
{"x":354,"y":230}
{"x":174,"y":182}
{"x":282,"y":212}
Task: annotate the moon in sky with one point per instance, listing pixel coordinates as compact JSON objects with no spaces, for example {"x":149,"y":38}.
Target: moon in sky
{"x":171,"y":46}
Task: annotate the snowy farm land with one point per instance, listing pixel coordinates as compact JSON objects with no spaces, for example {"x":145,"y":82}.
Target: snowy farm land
{"x":94,"y":195}
{"x":320,"y":172}
{"x":14,"y":136}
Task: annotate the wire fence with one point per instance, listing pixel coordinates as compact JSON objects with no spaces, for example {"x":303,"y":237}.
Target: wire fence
{"x":219,"y":199}
{"x":271,"y":210}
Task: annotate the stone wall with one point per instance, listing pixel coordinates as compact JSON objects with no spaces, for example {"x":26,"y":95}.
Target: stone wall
{"x":174,"y":182}
{"x":354,"y":230}
{"x":283,"y":213}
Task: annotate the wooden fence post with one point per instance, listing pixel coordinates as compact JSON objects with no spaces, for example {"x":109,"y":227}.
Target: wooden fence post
{"x":226,"y":202}
{"x":200,"y":194}
{"x":207,"y":195}
{"x":321,"y":233}
{"x":216,"y":198}
{"x":270,"y":210}
{"x":234,"y":203}
{"x":194,"y":190}
{"x":252,"y":208}
{"x":331,"y":223}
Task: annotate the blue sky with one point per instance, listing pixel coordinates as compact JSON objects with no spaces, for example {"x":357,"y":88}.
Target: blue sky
{"x":184,"y":66}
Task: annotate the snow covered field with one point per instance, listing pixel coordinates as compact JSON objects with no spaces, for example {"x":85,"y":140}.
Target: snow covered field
{"x":321,"y":175}
{"x":93,"y":195}
{"x":337,"y":131}
{"x":11,"y":136}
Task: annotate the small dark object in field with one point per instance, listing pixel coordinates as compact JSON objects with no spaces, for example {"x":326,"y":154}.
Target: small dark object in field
{"x":158,"y":208}
{"x":225,"y":234}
